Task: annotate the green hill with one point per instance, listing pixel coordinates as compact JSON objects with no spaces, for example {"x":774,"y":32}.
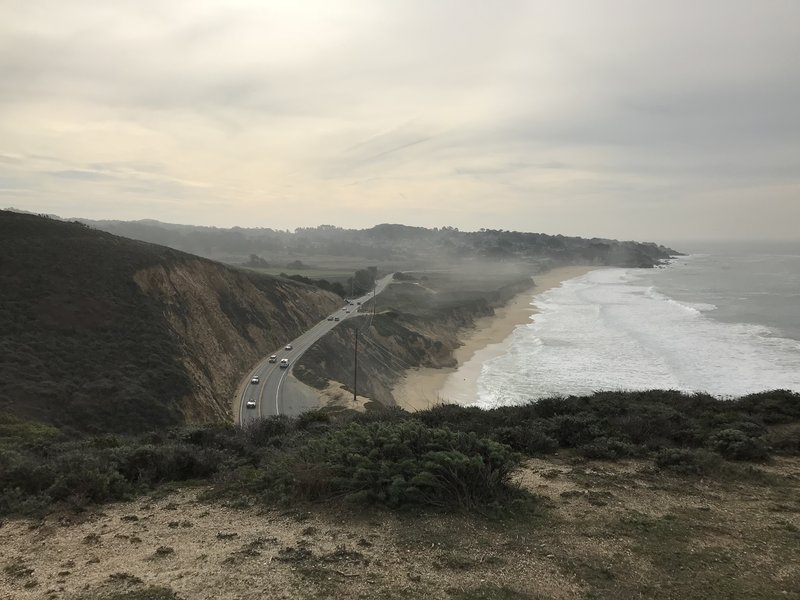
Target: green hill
{"x":103,"y":333}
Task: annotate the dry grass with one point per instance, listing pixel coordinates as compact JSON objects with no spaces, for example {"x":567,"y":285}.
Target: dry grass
{"x":613,"y":530}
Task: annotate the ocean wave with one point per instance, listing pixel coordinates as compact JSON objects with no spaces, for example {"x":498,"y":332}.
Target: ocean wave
{"x":609,"y":331}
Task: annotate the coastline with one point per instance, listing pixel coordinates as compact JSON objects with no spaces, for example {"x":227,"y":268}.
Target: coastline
{"x":424,"y":388}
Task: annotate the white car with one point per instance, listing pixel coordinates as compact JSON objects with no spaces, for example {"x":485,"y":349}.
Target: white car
{"x":254,"y":379}
{"x":273,"y":358}
{"x":284,"y":363}
{"x":251,"y":404}
{"x":287,"y":347}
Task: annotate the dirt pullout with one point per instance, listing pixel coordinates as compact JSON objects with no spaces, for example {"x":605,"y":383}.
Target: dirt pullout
{"x":605,"y":530}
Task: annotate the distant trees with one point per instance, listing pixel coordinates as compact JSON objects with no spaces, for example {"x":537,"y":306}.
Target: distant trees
{"x":363,"y":280}
{"x":256,"y":262}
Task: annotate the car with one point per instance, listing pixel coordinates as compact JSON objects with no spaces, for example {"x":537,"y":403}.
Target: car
{"x":359,"y":303}
{"x":347,"y":311}
{"x":254,"y":379}
{"x":287,"y":347}
{"x":284,"y":363}
{"x":335,"y":318}
{"x":330,"y":318}
{"x":251,"y":404}
{"x":273,"y":358}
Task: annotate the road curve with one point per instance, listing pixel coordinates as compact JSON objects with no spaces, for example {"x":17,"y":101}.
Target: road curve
{"x":277,"y":392}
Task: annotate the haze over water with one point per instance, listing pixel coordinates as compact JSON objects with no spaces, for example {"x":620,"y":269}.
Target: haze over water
{"x":725,"y":321}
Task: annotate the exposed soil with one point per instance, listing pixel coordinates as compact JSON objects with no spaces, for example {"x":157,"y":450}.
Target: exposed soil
{"x":606,"y":530}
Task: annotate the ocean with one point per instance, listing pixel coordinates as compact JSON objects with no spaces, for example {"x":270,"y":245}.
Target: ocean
{"x":723,"y":320}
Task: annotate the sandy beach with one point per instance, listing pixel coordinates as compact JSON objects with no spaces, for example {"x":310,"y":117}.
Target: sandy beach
{"x":423,"y":388}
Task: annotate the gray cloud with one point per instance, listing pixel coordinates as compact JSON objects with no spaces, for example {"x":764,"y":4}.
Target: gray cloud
{"x":526,"y":115}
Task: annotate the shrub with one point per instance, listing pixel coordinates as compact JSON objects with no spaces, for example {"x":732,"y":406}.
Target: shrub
{"x":785,"y":442}
{"x":173,"y":462}
{"x":267,"y":432}
{"x":527,"y":438}
{"x":86,"y":478}
{"x":313,"y":420}
{"x":398,"y":464}
{"x":608,"y":449}
{"x":735,"y":444}
{"x":688,"y":461}
{"x":573,"y":430}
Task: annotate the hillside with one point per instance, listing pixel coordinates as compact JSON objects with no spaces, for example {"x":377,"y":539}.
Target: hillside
{"x":392,"y":246}
{"x":616,"y":495}
{"x":102,"y":333}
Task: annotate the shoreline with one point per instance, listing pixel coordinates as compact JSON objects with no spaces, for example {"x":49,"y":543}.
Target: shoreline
{"x":424,"y":388}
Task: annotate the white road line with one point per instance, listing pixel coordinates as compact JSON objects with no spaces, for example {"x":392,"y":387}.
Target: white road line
{"x":278,"y":390}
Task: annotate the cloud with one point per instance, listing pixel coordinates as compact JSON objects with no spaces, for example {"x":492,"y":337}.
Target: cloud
{"x":527,"y":115}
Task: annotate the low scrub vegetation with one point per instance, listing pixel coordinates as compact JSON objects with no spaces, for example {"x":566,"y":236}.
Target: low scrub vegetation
{"x":612,"y":425}
{"x":448,"y":458}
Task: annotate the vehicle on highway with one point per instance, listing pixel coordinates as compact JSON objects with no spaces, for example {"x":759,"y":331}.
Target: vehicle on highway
{"x":330,"y":318}
{"x":359,"y":303}
{"x":273,"y":358}
{"x":287,"y":347}
{"x":254,"y":379}
{"x":347,"y":311}
{"x":335,"y":318}
{"x":284,"y":363}
{"x":251,"y":404}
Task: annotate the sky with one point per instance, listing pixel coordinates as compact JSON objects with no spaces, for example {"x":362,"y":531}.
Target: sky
{"x":628,"y":119}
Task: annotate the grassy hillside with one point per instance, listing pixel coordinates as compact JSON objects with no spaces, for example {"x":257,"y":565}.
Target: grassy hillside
{"x":615,"y":495}
{"x":102,"y":333}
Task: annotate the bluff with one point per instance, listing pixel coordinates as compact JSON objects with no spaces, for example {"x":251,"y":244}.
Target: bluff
{"x":415,"y":324}
{"x":101,"y":333}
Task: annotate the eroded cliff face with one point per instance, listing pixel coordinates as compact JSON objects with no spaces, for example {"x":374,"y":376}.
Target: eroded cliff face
{"x":424,"y":332}
{"x":225,"y":321}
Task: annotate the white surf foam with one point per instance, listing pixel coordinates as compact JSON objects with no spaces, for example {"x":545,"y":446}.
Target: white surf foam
{"x":602,"y":331}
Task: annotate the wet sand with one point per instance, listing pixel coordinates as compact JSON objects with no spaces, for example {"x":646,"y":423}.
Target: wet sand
{"x":423,"y":388}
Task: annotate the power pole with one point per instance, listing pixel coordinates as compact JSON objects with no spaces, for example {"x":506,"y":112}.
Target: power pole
{"x":355,"y":370}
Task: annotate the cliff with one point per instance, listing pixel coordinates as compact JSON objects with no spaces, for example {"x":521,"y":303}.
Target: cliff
{"x":416,"y":325}
{"x":102,"y":333}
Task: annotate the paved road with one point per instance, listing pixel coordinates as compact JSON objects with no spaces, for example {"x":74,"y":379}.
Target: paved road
{"x":278,"y":393}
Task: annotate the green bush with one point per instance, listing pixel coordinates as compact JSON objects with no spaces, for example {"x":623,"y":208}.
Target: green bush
{"x":527,"y":438}
{"x":735,"y":444}
{"x":267,"y":432}
{"x":396,"y":465}
{"x":686,"y":461}
{"x":785,"y":442}
{"x":609,"y":449}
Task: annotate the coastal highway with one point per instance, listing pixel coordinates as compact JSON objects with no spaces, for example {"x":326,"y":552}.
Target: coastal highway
{"x":278,"y":393}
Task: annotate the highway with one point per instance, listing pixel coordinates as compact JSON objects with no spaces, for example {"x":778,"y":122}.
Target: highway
{"x":278,"y":393}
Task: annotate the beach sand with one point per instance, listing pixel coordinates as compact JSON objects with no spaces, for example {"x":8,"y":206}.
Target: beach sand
{"x":424,"y":388}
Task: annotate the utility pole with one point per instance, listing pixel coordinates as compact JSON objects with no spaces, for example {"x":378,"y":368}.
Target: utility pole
{"x":355,"y":370}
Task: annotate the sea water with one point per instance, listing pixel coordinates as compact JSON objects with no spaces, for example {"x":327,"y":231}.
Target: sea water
{"x":723,"y":320}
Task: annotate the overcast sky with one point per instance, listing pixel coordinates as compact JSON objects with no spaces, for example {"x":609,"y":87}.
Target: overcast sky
{"x":631,"y":119}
